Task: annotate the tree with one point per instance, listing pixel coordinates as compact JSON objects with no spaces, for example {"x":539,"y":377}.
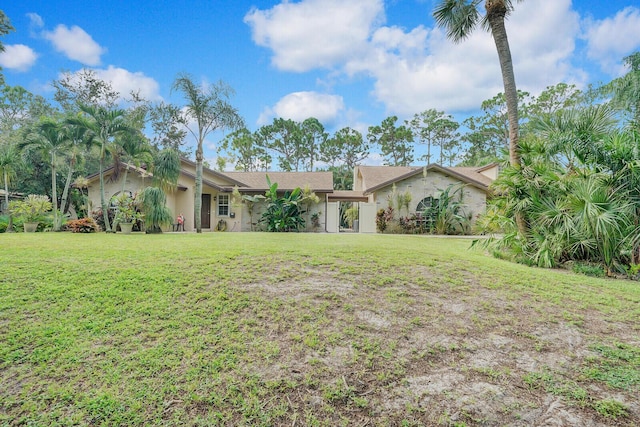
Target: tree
{"x":209,"y":109}
{"x":104,"y":124}
{"x":5,"y":28}
{"x":488,"y":134}
{"x":9,"y":162}
{"x":50,"y":137}
{"x":246,"y":151}
{"x":626,"y":89}
{"x":79,"y":141}
{"x":395,"y":142}
{"x":346,"y":147}
{"x":167,"y":124}
{"x":433,"y":127}
{"x":313,"y":136}
{"x":460,"y":17}
{"x":86,"y":88}
{"x":285,"y":137}
{"x":166,"y":169}
{"x":553,"y":99}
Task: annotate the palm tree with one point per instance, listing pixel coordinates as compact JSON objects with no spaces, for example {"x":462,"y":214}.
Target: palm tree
{"x":50,"y":137}
{"x":131,"y":148}
{"x":460,"y":17}
{"x":166,"y":169}
{"x":104,"y":124}
{"x":79,"y":140}
{"x":9,"y":161}
{"x":209,"y":109}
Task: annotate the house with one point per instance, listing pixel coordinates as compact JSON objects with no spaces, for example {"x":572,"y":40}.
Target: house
{"x":375,"y":184}
{"x":220,"y":210}
{"x":372,"y":185}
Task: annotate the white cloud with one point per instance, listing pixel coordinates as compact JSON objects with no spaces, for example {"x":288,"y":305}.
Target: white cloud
{"x":315,"y":33}
{"x":609,"y":40}
{"x":35,"y":23}
{"x":422,"y":69}
{"x":75,"y":43}
{"x":18,"y":57}
{"x":299,"y":106}
{"x":125,"y":82}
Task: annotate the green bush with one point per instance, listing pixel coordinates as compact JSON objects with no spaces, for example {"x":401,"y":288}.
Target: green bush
{"x":592,"y":270}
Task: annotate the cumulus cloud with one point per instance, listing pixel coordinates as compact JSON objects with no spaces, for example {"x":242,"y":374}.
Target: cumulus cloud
{"x":125,"y":82}
{"x":75,"y":43}
{"x":17,"y":57}
{"x":419,"y":68}
{"x":315,"y":33}
{"x":299,"y":106}
{"x":611,"y":39}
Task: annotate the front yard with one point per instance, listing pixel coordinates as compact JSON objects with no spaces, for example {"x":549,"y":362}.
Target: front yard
{"x":306,"y":330}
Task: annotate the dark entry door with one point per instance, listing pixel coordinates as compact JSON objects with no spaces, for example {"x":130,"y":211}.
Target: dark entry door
{"x":205,"y":211}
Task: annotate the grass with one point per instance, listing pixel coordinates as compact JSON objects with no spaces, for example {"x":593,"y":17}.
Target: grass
{"x":304,"y":329}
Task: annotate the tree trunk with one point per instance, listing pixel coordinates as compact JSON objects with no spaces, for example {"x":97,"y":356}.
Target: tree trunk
{"x":65,"y":192}
{"x":197,"y":203}
{"x":103,"y":203}
{"x":6,"y":201}
{"x":54,"y":192}
{"x":496,"y":12}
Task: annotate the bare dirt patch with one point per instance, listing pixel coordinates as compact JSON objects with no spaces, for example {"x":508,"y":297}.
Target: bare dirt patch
{"x":436,"y":353}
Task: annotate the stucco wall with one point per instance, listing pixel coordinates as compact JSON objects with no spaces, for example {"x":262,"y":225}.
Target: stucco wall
{"x":432,"y":186}
{"x":259,"y":208}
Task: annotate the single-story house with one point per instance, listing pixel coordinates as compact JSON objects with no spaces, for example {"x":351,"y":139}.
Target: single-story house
{"x":220,"y":210}
{"x":372,"y":185}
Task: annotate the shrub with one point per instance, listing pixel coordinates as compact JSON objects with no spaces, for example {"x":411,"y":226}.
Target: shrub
{"x":83,"y":225}
{"x":381,"y":222}
{"x":98,"y":218}
{"x":593,"y":270}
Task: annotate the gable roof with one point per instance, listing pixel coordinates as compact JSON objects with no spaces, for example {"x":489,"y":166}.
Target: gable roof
{"x":377,"y":177}
{"x":319,"y":182}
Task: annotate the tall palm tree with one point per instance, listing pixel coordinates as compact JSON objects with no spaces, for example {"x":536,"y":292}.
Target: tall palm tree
{"x":79,"y":140}
{"x":209,"y":110}
{"x":50,"y":137}
{"x":460,"y":18}
{"x":9,"y":160}
{"x":104,"y":124}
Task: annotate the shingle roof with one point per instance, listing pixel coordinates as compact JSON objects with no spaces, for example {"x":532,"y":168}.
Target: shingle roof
{"x":473,"y":173}
{"x":376,"y":177}
{"x":319,"y":182}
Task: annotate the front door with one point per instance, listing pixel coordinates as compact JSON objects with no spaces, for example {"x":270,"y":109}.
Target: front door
{"x":205,"y":211}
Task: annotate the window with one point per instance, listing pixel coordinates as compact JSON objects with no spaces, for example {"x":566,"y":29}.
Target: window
{"x":426,"y":203}
{"x":223,"y":204}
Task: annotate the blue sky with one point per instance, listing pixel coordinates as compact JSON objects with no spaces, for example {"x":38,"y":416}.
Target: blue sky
{"x":345,"y":62}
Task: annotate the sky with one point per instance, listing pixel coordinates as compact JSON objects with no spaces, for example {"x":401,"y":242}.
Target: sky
{"x":346,"y":62}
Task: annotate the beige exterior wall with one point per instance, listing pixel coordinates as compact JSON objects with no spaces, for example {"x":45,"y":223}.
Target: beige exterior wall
{"x":182,"y":201}
{"x":243,"y":220}
{"x":491,"y":172}
{"x":431,"y":186}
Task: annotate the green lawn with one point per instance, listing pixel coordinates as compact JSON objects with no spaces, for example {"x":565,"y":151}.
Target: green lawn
{"x":304,"y":330}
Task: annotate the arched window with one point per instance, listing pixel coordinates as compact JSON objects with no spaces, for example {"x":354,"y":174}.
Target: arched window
{"x":426,"y":203}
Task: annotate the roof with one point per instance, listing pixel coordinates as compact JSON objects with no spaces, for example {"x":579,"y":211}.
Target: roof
{"x":377,"y":177}
{"x":474,"y":173}
{"x":319,"y":182}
